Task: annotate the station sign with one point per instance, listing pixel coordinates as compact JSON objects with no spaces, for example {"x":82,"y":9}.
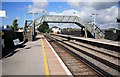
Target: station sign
{"x":2,"y":13}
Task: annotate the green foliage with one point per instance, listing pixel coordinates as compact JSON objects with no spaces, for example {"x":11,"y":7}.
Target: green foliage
{"x":48,"y":30}
{"x":43,"y":27}
{"x":112,"y":29}
{"x":14,"y":25}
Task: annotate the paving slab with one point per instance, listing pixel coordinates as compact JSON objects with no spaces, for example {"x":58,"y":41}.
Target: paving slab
{"x":26,"y":61}
{"x":30,"y":60}
{"x":55,"y":66}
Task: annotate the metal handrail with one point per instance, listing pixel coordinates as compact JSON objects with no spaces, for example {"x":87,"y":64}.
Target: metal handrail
{"x":71,"y":19}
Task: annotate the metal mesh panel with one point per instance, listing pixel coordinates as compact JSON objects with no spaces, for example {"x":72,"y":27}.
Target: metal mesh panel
{"x":69,"y":19}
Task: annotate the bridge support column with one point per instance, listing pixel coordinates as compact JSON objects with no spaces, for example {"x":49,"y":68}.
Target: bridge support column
{"x":82,"y":32}
{"x":33,"y":32}
{"x":28,"y":30}
{"x":85,"y":32}
{"x":25,"y":30}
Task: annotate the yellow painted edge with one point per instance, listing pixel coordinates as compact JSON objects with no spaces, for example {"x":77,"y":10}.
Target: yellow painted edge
{"x":45,"y":60}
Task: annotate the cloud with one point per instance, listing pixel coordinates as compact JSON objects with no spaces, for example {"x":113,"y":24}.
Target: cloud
{"x":64,"y":25}
{"x":107,"y":10}
{"x":37,"y":6}
{"x":70,"y":12}
{"x":17,"y":18}
{"x":104,"y":18}
{"x":108,"y":15}
{"x":97,"y":4}
{"x":92,"y":0}
{"x":65,"y":12}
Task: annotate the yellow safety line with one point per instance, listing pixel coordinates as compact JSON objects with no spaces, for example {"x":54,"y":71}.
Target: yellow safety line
{"x":45,"y":60}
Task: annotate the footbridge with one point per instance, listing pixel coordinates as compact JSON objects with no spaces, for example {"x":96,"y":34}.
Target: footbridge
{"x":92,"y":28}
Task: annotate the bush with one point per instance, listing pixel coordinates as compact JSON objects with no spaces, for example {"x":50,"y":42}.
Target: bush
{"x":43,"y":27}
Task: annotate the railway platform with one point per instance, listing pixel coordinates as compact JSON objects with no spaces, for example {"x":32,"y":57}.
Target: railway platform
{"x":80,"y":56}
{"x":36,"y":58}
{"x":102,"y":41}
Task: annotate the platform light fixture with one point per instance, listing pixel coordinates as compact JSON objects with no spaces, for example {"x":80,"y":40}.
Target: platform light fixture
{"x":94,"y":21}
{"x":33,"y":34}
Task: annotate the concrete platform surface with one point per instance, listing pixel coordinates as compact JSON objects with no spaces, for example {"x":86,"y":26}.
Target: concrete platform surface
{"x":104,"y":41}
{"x":56,"y":66}
{"x":26,"y":61}
{"x":36,"y":58}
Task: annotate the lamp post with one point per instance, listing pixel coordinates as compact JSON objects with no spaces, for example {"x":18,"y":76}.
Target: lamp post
{"x":33,"y":32}
{"x":2,"y":15}
{"x":94,"y":21}
{"x":43,"y":13}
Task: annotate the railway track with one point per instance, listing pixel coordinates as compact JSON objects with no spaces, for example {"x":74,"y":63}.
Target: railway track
{"x":87,"y":60}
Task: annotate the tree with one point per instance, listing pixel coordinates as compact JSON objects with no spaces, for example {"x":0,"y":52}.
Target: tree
{"x":43,"y":27}
{"x":14,"y":25}
{"x":49,"y":30}
{"x":112,"y":29}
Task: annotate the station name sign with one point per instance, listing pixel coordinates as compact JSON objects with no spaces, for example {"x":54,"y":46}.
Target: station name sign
{"x":2,"y":13}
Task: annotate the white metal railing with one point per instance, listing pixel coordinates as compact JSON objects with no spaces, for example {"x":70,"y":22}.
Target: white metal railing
{"x":70,"y":19}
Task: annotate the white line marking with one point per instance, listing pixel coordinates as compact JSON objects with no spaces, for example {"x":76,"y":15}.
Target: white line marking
{"x":59,"y":59}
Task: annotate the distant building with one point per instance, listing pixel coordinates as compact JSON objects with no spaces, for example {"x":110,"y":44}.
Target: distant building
{"x":112,"y":34}
{"x":6,"y":27}
{"x":118,"y":20}
{"x":20,"y":30}
{"x":55,"y":30}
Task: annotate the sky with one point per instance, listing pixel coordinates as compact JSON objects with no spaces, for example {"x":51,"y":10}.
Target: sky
{"x":106,"y":18}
